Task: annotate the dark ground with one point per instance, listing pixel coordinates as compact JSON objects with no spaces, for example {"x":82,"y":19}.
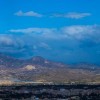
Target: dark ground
{"x":50,"y":92}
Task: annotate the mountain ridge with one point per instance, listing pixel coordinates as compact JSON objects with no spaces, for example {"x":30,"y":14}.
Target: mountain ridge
{"x":39,"y":58}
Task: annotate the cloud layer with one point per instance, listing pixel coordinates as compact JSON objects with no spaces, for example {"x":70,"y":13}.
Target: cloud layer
{"x":75,"y":32}
{"x":81,"y":42}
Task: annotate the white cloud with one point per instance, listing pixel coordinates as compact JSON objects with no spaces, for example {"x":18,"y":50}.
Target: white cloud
{"x":43,"y":32}
{"x":73,"y":15}
{"x":69,"y":32}
{"x":32,"y":30}
{"x":30,"y":13}
{"x":79,"y":31}
{"x":5,"y":40}
{"x":10,"y":40}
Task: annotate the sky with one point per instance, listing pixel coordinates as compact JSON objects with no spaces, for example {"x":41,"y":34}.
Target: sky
{"x":65,"y":31}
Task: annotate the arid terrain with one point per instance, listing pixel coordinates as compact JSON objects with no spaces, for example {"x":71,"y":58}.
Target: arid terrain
{"x":40,"y":70}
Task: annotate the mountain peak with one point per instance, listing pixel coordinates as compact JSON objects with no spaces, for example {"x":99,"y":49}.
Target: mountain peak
{"x":38,"y":58}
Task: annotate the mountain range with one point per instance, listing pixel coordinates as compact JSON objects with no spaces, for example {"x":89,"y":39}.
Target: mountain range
{"x":40,"y":70}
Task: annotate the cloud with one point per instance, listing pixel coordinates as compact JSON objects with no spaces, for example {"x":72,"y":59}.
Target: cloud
{"x":78,"y":32}
{"x":5,"y":40}
{"x":32,"y":30}
{"x":74,"y":38}
{"x":73,"y":15}
{"x":38,"y":32}
{"x":7,"y":43}
{"x":11,"y":40}
{"x":29,"y":13}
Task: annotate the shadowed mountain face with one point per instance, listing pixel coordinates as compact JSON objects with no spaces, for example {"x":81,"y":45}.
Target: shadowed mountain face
{"x":38,"y":69}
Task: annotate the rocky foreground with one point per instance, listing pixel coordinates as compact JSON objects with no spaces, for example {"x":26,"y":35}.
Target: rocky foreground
{"x":50,"y":92}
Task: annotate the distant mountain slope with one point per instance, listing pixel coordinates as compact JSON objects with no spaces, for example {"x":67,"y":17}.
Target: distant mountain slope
{"x":8,"y":61}
{"x":38,"y":69}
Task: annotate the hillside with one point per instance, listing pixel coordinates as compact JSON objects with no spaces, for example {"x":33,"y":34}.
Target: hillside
{"x":38,"y":69}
